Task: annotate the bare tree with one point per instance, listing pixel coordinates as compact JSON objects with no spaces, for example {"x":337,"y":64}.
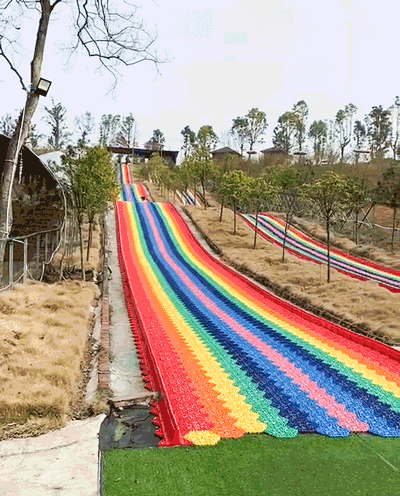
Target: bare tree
{"x":256,"y":126}
{"x":344,"y":126}
{"x":108,"y":34}
{"x":127,"y":129}
{"x":395,"y":127}
{"x":7,"y":124}
{"x":156,"y":142}
{"x":189,"y":140}
{"x":85,"y":125}
{"x":239,"y":132}
{"x":34,"y":137}
{"x":378,"y":130}
{"x":284,"y":132}
{"x":109,"y":126}
{"x":55,"y":117}
{"x":300,"y":113}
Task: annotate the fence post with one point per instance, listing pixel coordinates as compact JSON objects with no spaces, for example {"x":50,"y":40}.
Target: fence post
{"x":25,"y":273}
{"x":46,"y":246}
{"x":11,"y":262}
{"x":38,"y":255}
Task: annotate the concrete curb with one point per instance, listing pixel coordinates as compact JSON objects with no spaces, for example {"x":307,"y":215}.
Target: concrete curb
{"x":104,"y":351}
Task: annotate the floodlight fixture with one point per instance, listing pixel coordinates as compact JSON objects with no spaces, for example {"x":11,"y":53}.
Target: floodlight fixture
{"x":43,"y":87}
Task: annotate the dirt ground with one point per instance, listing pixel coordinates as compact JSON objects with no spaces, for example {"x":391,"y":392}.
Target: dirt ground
{"x":362,"y":306}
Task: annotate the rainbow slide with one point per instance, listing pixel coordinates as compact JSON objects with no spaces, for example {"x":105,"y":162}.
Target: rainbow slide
{"x":230,"y":358}
{"x":189,"y":198}
{"x":303,"y":246}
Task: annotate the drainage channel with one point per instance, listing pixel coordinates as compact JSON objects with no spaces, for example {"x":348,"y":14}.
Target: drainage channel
{"x":129,"y":427}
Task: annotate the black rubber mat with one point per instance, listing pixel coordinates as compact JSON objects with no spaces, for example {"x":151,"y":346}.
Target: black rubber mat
{"x":131,"y":428}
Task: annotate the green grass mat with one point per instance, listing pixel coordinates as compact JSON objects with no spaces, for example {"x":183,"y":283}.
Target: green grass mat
{"x":259,"y":466}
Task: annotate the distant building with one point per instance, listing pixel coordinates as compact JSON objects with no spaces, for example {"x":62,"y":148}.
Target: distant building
{"x":274,"y":151}
{"x":222,"y":152}
{"x":144,"y":153}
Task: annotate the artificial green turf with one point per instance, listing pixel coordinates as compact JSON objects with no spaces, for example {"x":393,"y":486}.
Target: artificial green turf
{"x":259,"y":466}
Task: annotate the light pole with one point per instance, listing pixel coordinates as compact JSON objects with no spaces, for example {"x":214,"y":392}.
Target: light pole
{"x":10,"y":165}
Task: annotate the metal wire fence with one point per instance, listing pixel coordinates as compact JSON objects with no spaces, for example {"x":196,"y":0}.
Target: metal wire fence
{"x":342,"y":222}
{"x":26,"y":257}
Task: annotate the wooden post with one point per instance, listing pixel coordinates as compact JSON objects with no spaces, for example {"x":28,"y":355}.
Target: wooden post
{"x":46,"y":246}
{"x":11,"y":262}
{"x":38,"y":255}
{"x":25,"y":273}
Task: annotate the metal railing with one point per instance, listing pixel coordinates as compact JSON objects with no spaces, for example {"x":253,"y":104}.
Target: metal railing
{"x":26,"y":257}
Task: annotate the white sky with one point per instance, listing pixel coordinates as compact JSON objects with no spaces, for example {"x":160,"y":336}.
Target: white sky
{"x":227,"y":57}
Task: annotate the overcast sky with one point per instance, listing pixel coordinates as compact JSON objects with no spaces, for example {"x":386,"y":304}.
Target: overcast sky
{"x":226,"y":57}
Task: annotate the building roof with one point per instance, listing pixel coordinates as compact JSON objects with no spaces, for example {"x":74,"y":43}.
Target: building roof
{"x":274,"y":150}
{"x":225,"y":150}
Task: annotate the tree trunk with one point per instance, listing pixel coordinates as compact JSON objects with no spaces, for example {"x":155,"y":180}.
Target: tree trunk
{"x":194,"y":193}
{"x":90,"y":236}
{"x":356,"y":233}
{"x":81,"y":250}
{"x":328,"y":242}
{"x":222,"y":208}
{"x":255,"y":230}
{"x":393,"y":227}
{"x":234,"y":217}
{"x":284,"y":238}
{"x":21,"y":132}
{"x":204,"y":195}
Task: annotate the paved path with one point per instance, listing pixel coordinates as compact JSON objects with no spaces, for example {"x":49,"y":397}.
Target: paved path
{"x":64,"y":462}
{"x":126,"y":377}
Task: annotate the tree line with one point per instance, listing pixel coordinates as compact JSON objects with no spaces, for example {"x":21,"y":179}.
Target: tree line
{"x":333,"y":191}
{"x":375,"y":134}
{"x":113,"y":130}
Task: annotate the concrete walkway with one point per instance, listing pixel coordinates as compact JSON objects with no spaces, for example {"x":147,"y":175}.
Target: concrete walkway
{"x":126,"y":378}
{"x":63,"y":462}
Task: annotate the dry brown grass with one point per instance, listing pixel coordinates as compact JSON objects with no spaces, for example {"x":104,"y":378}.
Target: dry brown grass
{"x":44,"y":332}
{"x":75,"y":258}
{"x":362,"y":306}
{"x":368,"y":251}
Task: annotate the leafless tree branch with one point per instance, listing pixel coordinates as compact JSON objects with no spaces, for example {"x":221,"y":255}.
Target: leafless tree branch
{"x":9,"y":62}
{"x":112,"y":37}
{"x":54,"y":4}
{"x":7,"y":4}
